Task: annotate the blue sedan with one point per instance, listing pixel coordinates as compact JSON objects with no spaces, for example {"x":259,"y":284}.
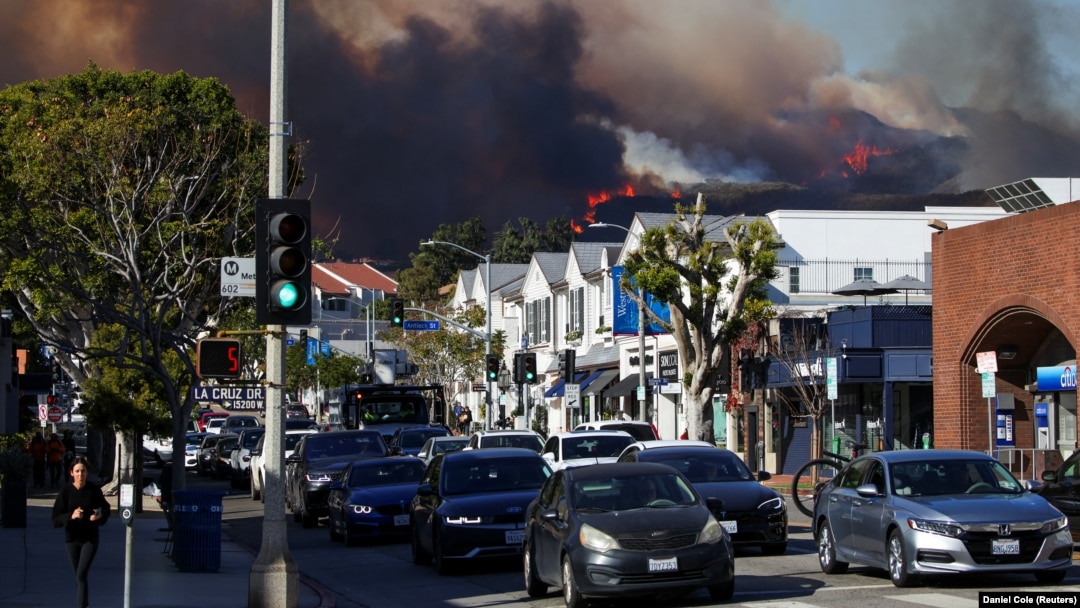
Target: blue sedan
{"x":372,"y":498}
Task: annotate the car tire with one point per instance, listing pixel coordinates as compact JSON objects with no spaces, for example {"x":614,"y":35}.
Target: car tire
{"x":774,"y":548}
{"x":256,"y":493}
{"x":420,"y":557}
{"x":349,"y":538}
{"x":442,"y":567}
{"x":571,"y":596}
{"x":827,"y":551}
{"x":724,"y":592}
{"x":896,"y":558}
{"x":1051,"y":577}
{"x":533,"y":585}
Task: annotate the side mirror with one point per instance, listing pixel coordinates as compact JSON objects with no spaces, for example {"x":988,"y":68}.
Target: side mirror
{"x":1049,"y":476}
{"x":715,"y":504}
{"x":868,"y":490}
{"x":764,"y":475}
{"x":395,"y":451}
{"x":425,"y":489}
{"x":293,"y":458}
{"x":551,"y":515}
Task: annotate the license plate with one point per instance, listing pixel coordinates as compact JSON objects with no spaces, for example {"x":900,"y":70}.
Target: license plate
{"x":669,"y":564}
{"x":1005,"y":547}
{"x":401,"y":520}
{"x":515,"y":537}
{"x":730,"y":526}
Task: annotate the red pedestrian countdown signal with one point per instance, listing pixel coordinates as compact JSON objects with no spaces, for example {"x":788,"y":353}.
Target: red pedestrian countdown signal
{"x":217,"y":358}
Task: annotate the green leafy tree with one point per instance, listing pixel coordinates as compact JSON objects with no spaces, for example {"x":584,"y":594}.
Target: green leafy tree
{"x":712,"y":292}
{"x":512,"y":245}
{"x":121,"y":194}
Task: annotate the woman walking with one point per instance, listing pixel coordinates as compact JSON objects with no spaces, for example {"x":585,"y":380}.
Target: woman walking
{"x":80,"y":509}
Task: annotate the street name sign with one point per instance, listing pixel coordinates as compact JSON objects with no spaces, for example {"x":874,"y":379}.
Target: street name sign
{"x":231,"y":397}
{"x":238,"y":277}
{"x":420,"y":325}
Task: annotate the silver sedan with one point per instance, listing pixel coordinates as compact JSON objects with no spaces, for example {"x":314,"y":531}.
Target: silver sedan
{"x":928,"y":512}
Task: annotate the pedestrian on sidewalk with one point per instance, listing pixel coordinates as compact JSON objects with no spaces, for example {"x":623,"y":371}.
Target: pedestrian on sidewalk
{"x":80,"y":509}
{"x":55,"y":452}
{"x":37,"y":454}
{"x":69,"y":453}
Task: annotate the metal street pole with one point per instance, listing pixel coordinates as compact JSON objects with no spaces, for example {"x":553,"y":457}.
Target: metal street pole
{"x":275,"y":580}
{"x":489,"y":416}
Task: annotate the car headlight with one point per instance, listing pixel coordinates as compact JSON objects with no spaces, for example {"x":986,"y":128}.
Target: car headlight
{"x":361,"y":509}
{"x":461,"y":520}
{"x":317,"y":477}
{"x":935,"y":527}
{"x":1054,"y":525}
{"x":596,"y":540}
{"x":773,"y":504}
{"x":712,"y":533}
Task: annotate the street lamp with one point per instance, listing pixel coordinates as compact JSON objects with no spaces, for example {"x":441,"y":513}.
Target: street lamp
{"x":503,"y":384}
{"x":641,"y":328}
{"x":487,"y":286}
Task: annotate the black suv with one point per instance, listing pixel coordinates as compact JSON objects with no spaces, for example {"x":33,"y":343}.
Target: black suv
{"x":317,"y":462}
{"x":409,"y":441}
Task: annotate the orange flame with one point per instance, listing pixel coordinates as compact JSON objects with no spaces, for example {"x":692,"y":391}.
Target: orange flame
{"x":596,"y":199}
{"x":858,"y":158}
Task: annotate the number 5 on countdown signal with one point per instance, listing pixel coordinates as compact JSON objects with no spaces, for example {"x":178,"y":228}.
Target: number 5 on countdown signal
{"x":217,"y":358}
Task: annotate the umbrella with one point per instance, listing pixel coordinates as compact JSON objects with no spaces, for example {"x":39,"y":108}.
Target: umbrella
{"x":905,"y":284}
{"x":863,"y":287}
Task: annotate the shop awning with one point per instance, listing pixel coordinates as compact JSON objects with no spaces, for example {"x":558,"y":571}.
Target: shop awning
{"x":625,"y":387}
{"x":601,"y":382}
{"x":592,"y":376}
{"x":557,"y":389}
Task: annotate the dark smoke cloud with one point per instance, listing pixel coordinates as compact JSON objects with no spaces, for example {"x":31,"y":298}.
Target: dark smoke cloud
{"x":419,"y":113}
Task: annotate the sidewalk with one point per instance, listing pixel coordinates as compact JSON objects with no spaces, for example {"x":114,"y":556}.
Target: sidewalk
{"x":35,"y":571}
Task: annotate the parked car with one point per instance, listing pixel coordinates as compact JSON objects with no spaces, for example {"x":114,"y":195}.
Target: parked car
{"x":318,"y":461}
{"x":207,"y":464}
{"x":191,"y":450}
{"x":257,"y":466}
{"x":471,"y":504}
{"x":296,"y":410}
{"x":157,"y":449}
{"x":238,"y":422}
{"x":642,"y":431}
{"x":409,"y":441}
{"x":222,"y":455}
{"x":623,"y":530}
{"x":240,"y":459}
{"x":931,"y":512}
{"x":1062,"y":489}
{"x":371,"y":500}
{"x":752,"y":514}
{"x":206,"y":415}
{"x":215,"y":424}
{"x":441,"y":445}
{"x":579,"y":448}
{"x":508,"y":438}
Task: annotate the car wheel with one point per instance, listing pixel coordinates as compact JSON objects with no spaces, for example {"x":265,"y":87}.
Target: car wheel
{"x":533,"y":585}
{"x":1051,"y":577}
{"x":334,"y":534}
{"x":420,"y":557}
{"x":774,"y":548}
{"x":571,"y":596}
{"x":442,"y":567}
{"x":256,"y":493}
{"x":898,"y":570}
{"x":350,"y":539}
{"x":724,"y":591}
{"x":296,"y":517}
{"x":827,"y":551}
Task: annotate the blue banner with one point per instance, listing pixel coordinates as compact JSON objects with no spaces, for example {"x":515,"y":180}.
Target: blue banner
{"x":625,"y":311}
{"x":1057,"y":378}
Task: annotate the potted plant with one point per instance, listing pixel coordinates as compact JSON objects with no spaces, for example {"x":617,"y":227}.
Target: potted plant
{"x":15,"y":470}
{"x":573,"y":337}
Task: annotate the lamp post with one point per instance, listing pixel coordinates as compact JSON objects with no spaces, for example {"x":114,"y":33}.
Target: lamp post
{"x":642,"y":382}
{"x":503,"y":383}
{"x":487,"y":287}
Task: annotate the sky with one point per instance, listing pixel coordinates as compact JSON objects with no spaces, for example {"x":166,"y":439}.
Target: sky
{"x":417,"y":113}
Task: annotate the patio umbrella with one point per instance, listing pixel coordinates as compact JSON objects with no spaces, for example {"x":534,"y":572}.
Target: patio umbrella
{"x":863,"y":287}
{"x":905,"y":284}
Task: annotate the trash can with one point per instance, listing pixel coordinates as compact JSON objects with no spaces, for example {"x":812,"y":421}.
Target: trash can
{"x":197,"y":530}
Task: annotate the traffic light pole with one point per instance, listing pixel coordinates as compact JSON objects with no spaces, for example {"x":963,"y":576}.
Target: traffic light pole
{"x":275,"y":579}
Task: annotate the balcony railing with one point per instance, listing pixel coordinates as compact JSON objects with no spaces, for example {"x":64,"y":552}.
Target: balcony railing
{"x":825,"y":276}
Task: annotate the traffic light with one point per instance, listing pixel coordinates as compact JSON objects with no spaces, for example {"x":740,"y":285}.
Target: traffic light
{"x":283,"y":261}
{"x":57,"y":372}
{"x":519,"y":368}
{"x":397,"y":312}
{"x":568,"y":364}
{"x":303,"y":338}
{"x":217,"y":358}
{"x":493,"y":362}
{"x":528,"y":365}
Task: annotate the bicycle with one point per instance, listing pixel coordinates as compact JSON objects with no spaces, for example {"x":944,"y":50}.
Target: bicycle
{"x":818,"y":472}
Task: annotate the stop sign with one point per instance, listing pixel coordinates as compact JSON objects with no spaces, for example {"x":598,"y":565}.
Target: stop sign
{"x":55,"y":413}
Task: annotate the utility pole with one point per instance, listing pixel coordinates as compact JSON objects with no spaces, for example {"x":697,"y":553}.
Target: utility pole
{"x":275,"y":579}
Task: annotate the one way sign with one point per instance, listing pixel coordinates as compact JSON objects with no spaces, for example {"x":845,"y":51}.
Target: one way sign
{"x":572,"y":395}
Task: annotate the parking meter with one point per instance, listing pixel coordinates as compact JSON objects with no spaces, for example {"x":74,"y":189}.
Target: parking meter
{"x":127,"y":503}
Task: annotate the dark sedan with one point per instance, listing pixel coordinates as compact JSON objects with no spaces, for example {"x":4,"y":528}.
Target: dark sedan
{"x":317,"y":462}
{"x":371,"y":501}
{"x":754,"y":515}
{"x":471,"y":504}
{"x":624,"y":530}
{"x":1062,"y":489}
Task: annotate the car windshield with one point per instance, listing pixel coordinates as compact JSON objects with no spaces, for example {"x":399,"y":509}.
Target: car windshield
{"x":416,"y":439}
{"x":471,"y":476}
{"x":386,"y":473}
{"x":368,"y":444}
{"x":250,"y":439}
{"x":451,"y":445}
{"x":702,"y":466}
{"x":529,"y":442}
{"x":943,"y":477}
{"x":594,"y":446}
{"x":660,"y":490}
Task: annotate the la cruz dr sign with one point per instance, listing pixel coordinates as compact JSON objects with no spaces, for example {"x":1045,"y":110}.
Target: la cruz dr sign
{"x":1057,"y":378}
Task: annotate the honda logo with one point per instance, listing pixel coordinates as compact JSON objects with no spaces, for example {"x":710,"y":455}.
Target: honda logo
{"x":1005,"y":529}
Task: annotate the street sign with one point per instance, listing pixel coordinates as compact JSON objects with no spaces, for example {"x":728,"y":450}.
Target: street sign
{"x":572,"y":395}
{"x":43,"y":413}
{"x":830,"y":378}
{"x":231,"y":397}
{"x":986,"y":362}
{"x":988,"y":387}
{"x":55,"y":413}
{"x":238,"y":277}
{"x":420,"y":325}
{"x":657,"y":381}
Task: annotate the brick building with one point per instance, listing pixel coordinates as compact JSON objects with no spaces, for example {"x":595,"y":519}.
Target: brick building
{"x":1012,"y":287}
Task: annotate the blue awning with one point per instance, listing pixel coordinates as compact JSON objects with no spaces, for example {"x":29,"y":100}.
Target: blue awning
{"x":557,"y":389}
{"x":593,"y":376}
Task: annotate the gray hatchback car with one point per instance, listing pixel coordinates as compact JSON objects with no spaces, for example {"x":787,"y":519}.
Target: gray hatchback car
{"x":928,"y":512}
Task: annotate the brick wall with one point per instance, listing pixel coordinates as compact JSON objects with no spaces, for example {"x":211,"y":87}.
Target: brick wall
{"x":986,"y":276}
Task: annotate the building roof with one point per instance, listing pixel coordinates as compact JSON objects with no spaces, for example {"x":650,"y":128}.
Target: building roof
{"x":342,"y":277}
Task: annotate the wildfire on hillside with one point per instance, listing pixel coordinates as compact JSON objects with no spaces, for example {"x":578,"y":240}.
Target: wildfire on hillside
{"x":596,"y":199}
{"x":859,"y":157}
